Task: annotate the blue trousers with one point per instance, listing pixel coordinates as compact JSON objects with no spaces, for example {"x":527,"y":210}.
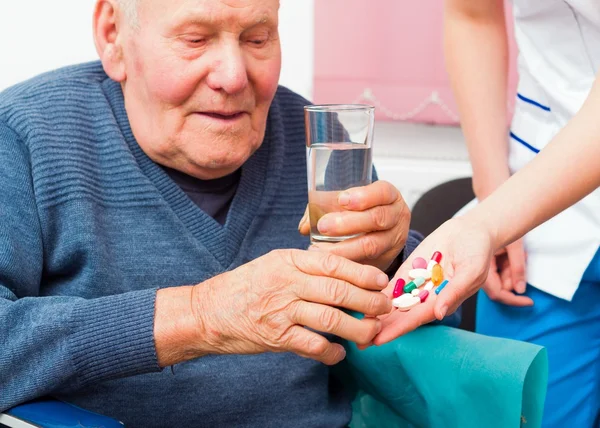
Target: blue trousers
{"x":570,"y":331}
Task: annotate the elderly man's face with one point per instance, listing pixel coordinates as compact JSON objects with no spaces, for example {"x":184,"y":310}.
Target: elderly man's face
{"x":200,"y":77}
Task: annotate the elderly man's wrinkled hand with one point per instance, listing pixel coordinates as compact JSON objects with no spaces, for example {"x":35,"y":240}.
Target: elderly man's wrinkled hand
{"x":266,"y":304}
{"x":377,"y":213}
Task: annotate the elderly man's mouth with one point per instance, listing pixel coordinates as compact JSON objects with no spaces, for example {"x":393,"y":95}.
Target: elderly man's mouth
{"x":225,"y":116}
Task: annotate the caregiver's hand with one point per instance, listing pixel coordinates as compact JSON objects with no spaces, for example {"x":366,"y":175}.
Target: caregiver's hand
{"x":376,"y":211}
{"x":467,"y":248}
{"x":507,"y":276}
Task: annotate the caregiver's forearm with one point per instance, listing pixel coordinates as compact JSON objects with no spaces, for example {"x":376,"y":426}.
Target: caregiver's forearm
{"x":564,"y":172}
{"x":476,"y":51}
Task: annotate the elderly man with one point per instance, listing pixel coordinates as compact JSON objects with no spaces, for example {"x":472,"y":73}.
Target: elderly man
{"x":149,"y":214}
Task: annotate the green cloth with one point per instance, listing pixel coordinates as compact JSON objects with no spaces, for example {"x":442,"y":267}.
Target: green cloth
{"x":439,"y":377}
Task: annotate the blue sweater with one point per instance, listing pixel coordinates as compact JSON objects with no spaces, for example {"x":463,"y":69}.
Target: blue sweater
{"x":90,"y":227}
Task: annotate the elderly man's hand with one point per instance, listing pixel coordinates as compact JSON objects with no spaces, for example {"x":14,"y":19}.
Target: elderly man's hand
{"x":265,"y":305}
{"x":378,"y":213}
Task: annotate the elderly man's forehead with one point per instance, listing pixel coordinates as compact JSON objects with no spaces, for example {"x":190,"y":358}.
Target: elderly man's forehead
{"x":242,"y":13}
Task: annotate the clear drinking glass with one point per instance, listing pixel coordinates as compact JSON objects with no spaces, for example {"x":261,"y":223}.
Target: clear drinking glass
{"x":339,"y":141}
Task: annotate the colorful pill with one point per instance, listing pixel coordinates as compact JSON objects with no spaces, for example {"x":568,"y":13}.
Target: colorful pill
{"x":437,"y":275}
{"x":419,"y":281}
{"x":419,"y":263}
{"x":441,"y":287}
{"x":408,"y":288}
{"x":428,"y":286}
{"x":403,"y":298}
{"x":423,"y":295}
{"x":398,"y":288}
{"x":406,"y":302}
{"x":436,"y":258}
{"x":416,"y":273}
{"x":415,"y":292}
{"x":415,"y":283}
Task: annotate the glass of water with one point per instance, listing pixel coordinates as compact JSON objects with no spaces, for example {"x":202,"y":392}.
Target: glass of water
{"x":339,"y":141}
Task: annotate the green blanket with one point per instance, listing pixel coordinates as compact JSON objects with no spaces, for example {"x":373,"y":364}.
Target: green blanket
{"x":444,"y":377}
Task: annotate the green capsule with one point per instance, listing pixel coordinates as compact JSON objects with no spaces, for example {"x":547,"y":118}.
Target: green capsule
{"x":410,"y":287}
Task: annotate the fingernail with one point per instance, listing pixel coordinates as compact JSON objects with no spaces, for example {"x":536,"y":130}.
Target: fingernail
{"x":344,"y":198}
{"x":443,"y":311}
{"x":324,"y":226}
{"x":302,"y":220}
{"x":382,"y":280}
{"x":521,"y":287}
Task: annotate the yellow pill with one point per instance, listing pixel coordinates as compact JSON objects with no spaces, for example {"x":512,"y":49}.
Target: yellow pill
{"x":437,"y":275}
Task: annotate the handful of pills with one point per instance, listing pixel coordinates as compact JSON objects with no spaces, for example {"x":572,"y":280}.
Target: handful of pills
{"x":424,"y":276}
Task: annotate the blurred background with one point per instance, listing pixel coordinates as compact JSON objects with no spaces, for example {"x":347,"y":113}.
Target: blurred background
{"x":387,"y":53}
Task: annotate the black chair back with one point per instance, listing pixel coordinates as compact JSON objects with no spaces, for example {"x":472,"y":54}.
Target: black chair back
{"x":435,"y":207}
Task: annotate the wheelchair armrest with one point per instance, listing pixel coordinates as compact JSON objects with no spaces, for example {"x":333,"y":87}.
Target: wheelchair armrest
{"x":51,"y":413}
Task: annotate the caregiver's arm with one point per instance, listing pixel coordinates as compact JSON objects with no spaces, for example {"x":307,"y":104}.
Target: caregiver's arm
{"x":565,"y":171}
{"x":476,"y":51}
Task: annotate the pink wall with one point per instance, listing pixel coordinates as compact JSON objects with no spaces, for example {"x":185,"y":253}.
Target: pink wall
{"x":393,"y":48}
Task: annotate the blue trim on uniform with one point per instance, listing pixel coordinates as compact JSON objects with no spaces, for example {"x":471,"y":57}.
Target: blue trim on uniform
{"x":525,"y":143}
{"x":532,"y":102}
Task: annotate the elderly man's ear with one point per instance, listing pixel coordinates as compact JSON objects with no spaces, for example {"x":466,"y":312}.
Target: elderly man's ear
{"x":108,"y":37}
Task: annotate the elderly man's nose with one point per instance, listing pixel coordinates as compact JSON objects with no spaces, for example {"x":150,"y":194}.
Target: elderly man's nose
{"x":229,"y":74}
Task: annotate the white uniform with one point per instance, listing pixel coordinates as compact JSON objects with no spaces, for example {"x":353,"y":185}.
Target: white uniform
{"x":559,"y":57}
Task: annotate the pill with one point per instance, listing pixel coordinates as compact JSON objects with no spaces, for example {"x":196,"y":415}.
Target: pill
{"x":404,"y":297}
{"x":419,"y":281}
{"x":398,"y":288}
{"x":408,"y":288}
{"x":406,"y":302}
{"x":423,"y":295}
{"x":415,"y":292}
{"x":415,"y":283}
{"x":437,"y":274}
{"x":416,"y":273}
{"x":441,"y":287}
{"x":419,"y":263}
{"x":428,"y":286}
{"x":436,"y":258}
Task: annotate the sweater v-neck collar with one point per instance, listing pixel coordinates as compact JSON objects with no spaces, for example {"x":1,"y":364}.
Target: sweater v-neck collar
{"x":223,"y":242}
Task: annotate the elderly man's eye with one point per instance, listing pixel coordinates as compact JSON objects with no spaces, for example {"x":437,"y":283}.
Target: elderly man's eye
{"x":257,"y":42}
{"x":195,"y":41}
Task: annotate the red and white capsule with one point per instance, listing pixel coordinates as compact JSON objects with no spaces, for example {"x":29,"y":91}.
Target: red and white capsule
{"x":436,"y":258}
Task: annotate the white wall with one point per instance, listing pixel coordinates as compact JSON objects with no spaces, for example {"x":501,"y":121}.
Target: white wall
{"x":38,"y":35}
{"x":41,"y":35}
{"x":296,"y":28}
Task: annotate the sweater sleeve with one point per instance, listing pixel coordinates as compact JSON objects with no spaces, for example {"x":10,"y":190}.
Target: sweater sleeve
{"x":56,"y":343}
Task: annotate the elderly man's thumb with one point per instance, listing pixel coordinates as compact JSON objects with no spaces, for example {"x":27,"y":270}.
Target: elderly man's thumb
{"x":304,"y":225}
